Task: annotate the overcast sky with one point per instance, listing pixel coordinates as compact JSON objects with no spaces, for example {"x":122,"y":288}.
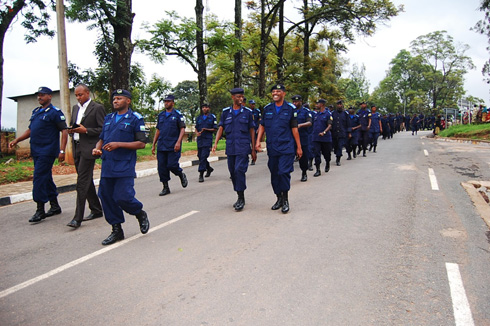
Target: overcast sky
{"x":27,"y":67}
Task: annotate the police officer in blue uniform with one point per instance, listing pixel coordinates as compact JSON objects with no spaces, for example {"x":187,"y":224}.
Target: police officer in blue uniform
{"x":341,"y":130}
{"x":238,"y":124}
{"x":169,"y":133}
{"x":123,"y":133}
{"x":44,"y":132}
{"x":322,"y":137}
{"x":305,"y":129}
{"x":311,"y":146}
{"x":354,"y":139}
{"x":205,"y":127}
{"x":365,"y":120}
{"x":257,"y":116}
{"x":280,"y":124}
{"x":375,"y":128}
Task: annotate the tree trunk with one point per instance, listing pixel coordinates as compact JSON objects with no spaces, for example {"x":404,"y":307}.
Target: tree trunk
{"x":280,"y":45}
{"x":238,"y":55}
{"x":123,"y":47}
{"x":263,"y":49}
{"x":201,"y":59}
{"x":306,"y":54}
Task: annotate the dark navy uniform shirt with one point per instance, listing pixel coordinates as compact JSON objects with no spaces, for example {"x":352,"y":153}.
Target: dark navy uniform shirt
{"x":375,"y":118}
{"x":237,"y":128}
{"x":45,"y":125}
{"x":354,"y":122}
{"x":257,"y":116}
{"x":364,"y":117}
{"x":121,"y":161}
{"x":278,"y":128}
{"x":304,"y":115}
{"x":340,"y":124}
{"x":169,"y":127}
{"x":208,"y":122}
{"x":320,"y":124}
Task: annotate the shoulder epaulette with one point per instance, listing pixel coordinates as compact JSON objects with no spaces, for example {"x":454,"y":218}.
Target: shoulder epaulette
{"x":228,"y":108}
{"x":247,"y":109}
{"x":213,"y":115}
{"x":268,"y":105}
{"x":291,"y":105}
{"x":178,"y":112}
{"x":137,"y":115}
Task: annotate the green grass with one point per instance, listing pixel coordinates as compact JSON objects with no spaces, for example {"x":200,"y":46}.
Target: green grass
{"x":186,"y":146}
{"x":479,"y":131}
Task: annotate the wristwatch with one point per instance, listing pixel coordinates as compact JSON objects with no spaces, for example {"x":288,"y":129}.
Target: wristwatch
{"x":62,"y":151}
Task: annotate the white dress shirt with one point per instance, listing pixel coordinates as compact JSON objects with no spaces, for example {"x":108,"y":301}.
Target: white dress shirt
{"x":80,"y":114}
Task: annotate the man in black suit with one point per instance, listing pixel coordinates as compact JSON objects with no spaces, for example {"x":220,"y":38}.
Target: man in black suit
{"x":87,"y":120}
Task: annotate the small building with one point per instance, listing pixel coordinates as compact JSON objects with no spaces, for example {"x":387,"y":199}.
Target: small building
{"x":25,"y":105}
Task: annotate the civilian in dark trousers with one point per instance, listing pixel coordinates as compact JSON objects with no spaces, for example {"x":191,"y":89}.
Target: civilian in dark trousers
{"x":87,"y":120}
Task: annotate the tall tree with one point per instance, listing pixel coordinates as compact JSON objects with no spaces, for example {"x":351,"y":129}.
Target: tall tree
{"x":114,"y":21}
{"x":483,"y":27}
{"x":201,"y":56}
{"x":35,"y":21}
{"x":186,"y":99}
{"x":239,"y":54}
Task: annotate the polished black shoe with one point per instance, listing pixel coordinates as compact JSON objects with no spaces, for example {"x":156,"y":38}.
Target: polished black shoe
{"x":183,"y":180}
{"x":327,"y":167}
{"x":240,"y":203}
{"x":143,"y":221}
{"x":252,"y":163}
{"x":165,"y":190}
{"x":74,"y":224}
{"x":278,"y":203}
{"x":358,"y":152}
{"x":317,"y":173}
{"x":354,"y":154}
{"x":201,"y":176}
{"x":310,"y":165}
{"x":349,"y":157}
{"x":38,"y":216}
{"x":285,"y":203}
{"x":55,"y":208}
{"x":208,"y":172}
{"x":304,"y":177}
{"x":92,"y":216}
{"x":116,"y":235}
{"x":337,"y":162}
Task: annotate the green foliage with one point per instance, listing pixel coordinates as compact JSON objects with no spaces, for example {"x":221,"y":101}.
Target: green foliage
{"x":483,"y":27}
{"x":187,"y":99}
{"x":474,"y":131}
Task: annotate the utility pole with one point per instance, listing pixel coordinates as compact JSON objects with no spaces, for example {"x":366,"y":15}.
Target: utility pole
{"x":63,"y":68}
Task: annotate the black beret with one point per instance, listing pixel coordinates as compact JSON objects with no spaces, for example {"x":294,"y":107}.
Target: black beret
{"x":278,"y":86}
{"x":237,"y":90}
{"x":121,"y":92}
{"x":296,"y":98}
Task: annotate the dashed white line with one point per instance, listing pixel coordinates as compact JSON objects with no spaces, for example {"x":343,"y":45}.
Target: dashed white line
{"x":433,"y":180}
{"x":461,"y":306}
{"x":60,"y":269}
{"x":426,"y":153}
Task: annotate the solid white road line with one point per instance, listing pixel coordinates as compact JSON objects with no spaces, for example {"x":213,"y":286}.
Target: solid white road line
{"x":461,"y":306}
{"x":60,"y":269}
{"x":426,"y":153}
{"x":433,"y":180}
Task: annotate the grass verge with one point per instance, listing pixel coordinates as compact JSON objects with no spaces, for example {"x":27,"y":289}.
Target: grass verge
{"x":475,"y":131}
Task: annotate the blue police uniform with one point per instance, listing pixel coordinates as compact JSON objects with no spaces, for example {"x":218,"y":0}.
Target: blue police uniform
{"x":364,"y":117}
{"x":354,"y":140}
{"x":414,"y":124}
{"x":45,"y":126}
{"x":116,"y":189}
{"x":322,"y":144}
{"x":374,"y":130}
{"x":304,"y":115}
{"x":340,"y":130}
{"x":237,"y":125}
{"x":278,"y":124}
{"x":257,"y":116}
{"x":311,"y":146}
{"x":169,"y":125}
{"x":205,"y":141}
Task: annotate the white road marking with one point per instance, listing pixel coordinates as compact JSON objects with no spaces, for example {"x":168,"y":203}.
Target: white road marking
{"x":461,"y":306}
{"x":426,"y":153}
{"x":433,"y":180}
{"x":60,"y":269}
{"x":423,"y":143}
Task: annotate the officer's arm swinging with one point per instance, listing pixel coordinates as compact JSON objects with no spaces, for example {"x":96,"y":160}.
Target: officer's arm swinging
{"x":218,"y":137}
{"x":64,"y":138}
{"x":179,"y":141}
{"x":155,"y":138}
{"x":252,"y":137}
{"x":299,"y":150}
{"x":22,"y":137}
{"x":260,"y":133}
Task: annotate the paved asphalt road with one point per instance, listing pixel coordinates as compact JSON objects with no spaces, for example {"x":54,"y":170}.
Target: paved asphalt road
{"x":366,"y":244}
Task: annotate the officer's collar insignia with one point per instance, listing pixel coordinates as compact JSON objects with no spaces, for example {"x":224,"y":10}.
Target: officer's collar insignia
{"x":127,"y":115}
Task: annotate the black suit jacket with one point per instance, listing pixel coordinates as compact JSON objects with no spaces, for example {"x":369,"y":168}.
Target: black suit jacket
{"x":93,"y":120}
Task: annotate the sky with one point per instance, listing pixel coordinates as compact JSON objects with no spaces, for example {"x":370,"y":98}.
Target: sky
{"x":28,"y":66}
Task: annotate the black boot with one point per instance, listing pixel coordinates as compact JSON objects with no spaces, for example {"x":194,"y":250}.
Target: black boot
{"x":354,"y":152}
{"x":310,"y":165}
{"x":364,"y":153}
{"x":337,"y":161}
{"x":240,"y":203}
{"x":165,"y":190}
{"x":183,"y":179}
{"x":143,"y":221}
{"x":304,"y":177}
{"x":358,"y":151}
{"x":278,"y":203}
{"x":285,"y":203}
{"x":370,"y":147}
{"x":39,"y":215}
{"x":349,"y":157}
{"x":201,"y":176}
{"x":327,"y":166}
{"x":318,"y":172}
{"x":374,"y":148}
{"x":116,"y":235}
{"x":55,"y":208}
{"x":208,"y":172}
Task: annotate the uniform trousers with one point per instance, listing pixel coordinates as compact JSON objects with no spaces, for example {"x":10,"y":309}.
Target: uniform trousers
{"x":364,"y":139}
{"x":117,"y":195}
{"x":168,"y":161}
{"x":43,"y":187}
{"x":303,"y":161}
{"x":203,"y":154}
{"x":238,"y":166}
{"x":338,"y":143}
{"x":85,"y":187}
{"x":322,"y":148}
{"x":373,"y":135}
{"x":281,"y":167}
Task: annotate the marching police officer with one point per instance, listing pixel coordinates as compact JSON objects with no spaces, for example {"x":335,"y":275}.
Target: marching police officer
{"x":44,"y":132}
{"x":280,"y":125}
{"x":375,"y":128}
{"x":123,"y":133}
{"x":304,"y":127}
{"x":340,"y":130}
{"x":365,"y":120}
{"x":205,"y":127}
{"x":169,"y":133}
{"x":322,"y":137}
{"x":237,"y":122}
{"x":257,"y":116}
{"x":354,"y":140}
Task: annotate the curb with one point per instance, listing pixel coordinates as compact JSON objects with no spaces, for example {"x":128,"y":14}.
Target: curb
{"x":483,"y":208}
{"x":463,"y":140}
{"x":13,"y":199}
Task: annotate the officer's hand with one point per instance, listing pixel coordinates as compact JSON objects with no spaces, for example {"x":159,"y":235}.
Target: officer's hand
{"x":96,"y":152}
{"x":153,"y":150}
{"x":350,"y":135}
{"x":61,"y":157}
{"x":177,"y":147}
{"x":13,"y":143}
{"x":258,"y":147}
{"x":299,"y":152}
{"x":254,"y":155}
{"x":110,"y":146}
{"x":198,"y":133}
{"x":214,"y":149}
{"x":81,"y":129}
